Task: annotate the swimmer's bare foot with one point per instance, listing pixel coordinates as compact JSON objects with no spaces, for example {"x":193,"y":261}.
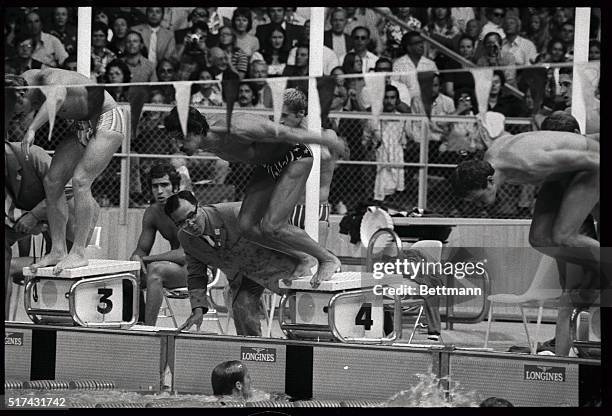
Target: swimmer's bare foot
{"x":325,"y":272}
{"x":304,"y":267}
{"x":71,"y":261}
{"x":50,"y":259}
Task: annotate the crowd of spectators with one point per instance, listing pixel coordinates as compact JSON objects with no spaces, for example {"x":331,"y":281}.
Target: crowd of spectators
{"x":166,"y":44}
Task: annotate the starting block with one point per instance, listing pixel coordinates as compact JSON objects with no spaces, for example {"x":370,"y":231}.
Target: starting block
{"x":103,"y":294}
{"x":345,"y":308}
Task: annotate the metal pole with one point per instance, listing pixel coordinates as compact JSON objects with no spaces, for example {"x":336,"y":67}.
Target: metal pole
{"x":84,"y":41}
{"x":581,"y":55}
{"x":315,"y":69}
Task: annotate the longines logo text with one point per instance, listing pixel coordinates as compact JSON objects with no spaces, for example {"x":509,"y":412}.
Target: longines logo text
{"x":267,"y":355}
{"x":544,"y":373}
{"x":13,"y":338}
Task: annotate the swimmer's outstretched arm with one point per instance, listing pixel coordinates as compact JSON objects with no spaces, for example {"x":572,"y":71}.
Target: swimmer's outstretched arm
{"x":58,"y":94}
{"x":259,"y":129}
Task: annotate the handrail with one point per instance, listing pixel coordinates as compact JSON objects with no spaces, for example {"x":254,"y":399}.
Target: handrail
{"x":448,"y":52}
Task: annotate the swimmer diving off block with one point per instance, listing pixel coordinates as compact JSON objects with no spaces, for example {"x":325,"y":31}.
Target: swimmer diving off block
{"x":566,"y":165}
{"x":283,"y":161}
{"x":96,"y":133}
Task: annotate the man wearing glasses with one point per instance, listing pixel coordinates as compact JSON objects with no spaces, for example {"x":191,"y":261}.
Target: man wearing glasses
{"x":361,"y":38}
{"x":495,"y":18}
{"x":283,"y":162}
{"x":412,"y":61}
{"x":211,"y":237}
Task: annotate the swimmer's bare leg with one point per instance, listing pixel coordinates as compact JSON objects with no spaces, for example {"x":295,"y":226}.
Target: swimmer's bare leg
{"x":254,"y":205}
{"x":98,"y":154}
{"x":276,"y":230}
{"x":66,"y":157}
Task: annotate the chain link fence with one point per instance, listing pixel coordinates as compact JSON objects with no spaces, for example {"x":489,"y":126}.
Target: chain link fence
{"x":355,"y":180}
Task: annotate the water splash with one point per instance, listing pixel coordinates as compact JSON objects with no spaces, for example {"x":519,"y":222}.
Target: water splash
{"x":431,"y":391}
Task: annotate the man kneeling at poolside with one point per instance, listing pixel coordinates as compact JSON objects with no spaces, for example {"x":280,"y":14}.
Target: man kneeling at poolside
{"x":210,"y":236}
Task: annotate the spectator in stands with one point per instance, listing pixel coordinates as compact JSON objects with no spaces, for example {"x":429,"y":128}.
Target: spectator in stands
{"x":352,"y":64}
{"x":523,"y":50}
{"x":567,"y":36}
{"x":142,"y":70}
{"x":120,"y":31}
{"x":413,"y":60}
{"x":70,"y":63}
{"x":63,"y":30}
{"x":336,"y":39}
{"x":442,"y":28}
{"x":361,"y":39}
{"x":159,"y":41}
{"x":387,"y":138}
{"x":494,"y":56}
{"x":594,"y":50}
{"x":300,"y":68}
{"x":275,"y":50}
{"x":340,"y":94}
{"x":440,"y":105}
{"x":208,"y":94}
{"x":246,"y":95}
{"x":100,"y":54}
{"x":462,"y":15}
{"x":237,"y":58}
{"x":462,"y":137}
{"x":394,"y":33}
{"x":215,"y":23}
{"x":219,"y":63}
{"x":195,"y":47}
{"x":242,"y":22}
{"x":507,"y":104}
{"x":291,"y":16}
{"x":293,"y":33}
{"x":453,"y":81}
{"x":47,"y":48}
{"x":167,"y":72}
{"x":537,"y":32}
{"x":198,"y":14}
{"x":552,"y":92}
{"x":23,"y":61}
{"x":366,"y":17}
{"x":259,"y":17}
{"x":559,"y":18}
{"x":495,"y":16}
{"x":259,"y":70}
{"x":403,"y":102}
{"x":330,"y":59}
{"x":117,"y":72}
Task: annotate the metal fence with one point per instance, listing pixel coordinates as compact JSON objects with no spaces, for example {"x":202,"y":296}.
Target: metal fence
{"x":425,"y":171}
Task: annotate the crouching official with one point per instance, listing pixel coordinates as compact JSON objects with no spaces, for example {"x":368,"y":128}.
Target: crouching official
{"x":210,"y":237}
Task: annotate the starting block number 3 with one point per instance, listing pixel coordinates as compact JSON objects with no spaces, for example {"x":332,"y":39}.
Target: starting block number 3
{"x":105,"y":305}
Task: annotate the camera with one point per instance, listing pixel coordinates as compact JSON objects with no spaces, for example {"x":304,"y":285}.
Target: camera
{"x":193,"y":38}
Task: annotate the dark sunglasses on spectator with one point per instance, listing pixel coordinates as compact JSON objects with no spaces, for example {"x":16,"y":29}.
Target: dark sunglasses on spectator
{"x":166,"y":70}
{"x":200,"y":14}
{"x":498,"y":14}
{"x":360,"y":37}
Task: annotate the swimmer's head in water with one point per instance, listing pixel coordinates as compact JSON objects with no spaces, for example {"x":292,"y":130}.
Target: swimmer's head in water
{"x":197,"y":128}
{"x":231,"y":378}
{"x":473,"y":181}
{"x":561,"y":121}
{"x":295,"y":107}
{"x":495,"y":402}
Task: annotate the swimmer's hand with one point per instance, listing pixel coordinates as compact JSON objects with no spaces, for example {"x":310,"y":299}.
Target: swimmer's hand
{"x":27,"y":142}
{"x":143,"y":267}
{"x":196,"y":318}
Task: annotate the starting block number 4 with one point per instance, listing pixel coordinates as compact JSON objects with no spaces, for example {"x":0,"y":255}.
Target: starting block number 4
{"x":359,"y":316}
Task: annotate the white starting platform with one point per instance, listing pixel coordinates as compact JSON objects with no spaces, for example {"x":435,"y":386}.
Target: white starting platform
{"x":103,"y":294}
{"x":346,"y":308}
